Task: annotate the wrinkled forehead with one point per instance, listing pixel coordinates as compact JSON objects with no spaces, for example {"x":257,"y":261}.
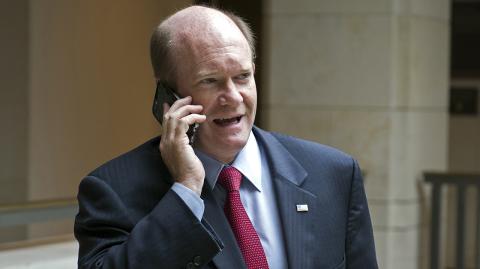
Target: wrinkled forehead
{"x":210,"y":42}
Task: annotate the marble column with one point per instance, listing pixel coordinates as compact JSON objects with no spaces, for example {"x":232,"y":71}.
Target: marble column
{"x":370,"y":78}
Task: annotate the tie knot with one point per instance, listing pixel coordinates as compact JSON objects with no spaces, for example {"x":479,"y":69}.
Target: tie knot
{"x":230,"y":178}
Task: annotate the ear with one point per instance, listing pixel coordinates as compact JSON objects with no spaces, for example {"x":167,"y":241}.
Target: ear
{"x":253,"y":66}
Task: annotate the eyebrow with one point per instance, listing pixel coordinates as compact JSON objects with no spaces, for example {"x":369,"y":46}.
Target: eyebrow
{"x":202,"y":74}
{"x":208,"y":73}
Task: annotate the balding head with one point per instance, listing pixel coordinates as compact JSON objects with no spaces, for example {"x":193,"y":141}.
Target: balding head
{"x":189,"y":30}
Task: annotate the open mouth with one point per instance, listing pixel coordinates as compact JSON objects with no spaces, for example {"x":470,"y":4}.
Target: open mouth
{"x":228,"y":121}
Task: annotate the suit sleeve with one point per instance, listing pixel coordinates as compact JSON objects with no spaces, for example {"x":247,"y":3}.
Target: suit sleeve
{"x":170,"y":236}
{"x":360,"y":246}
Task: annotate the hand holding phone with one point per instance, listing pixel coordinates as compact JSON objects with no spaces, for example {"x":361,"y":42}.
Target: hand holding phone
{"x":165,"y":94}
{"x":180,"y":159}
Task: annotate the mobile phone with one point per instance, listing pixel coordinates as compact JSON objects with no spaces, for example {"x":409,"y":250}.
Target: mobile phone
{"x":165,"y":94}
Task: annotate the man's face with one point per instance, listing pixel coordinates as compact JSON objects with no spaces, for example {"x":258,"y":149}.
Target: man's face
{"x":218,"y":73}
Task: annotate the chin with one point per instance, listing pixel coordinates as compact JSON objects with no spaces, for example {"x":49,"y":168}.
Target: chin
{"x":230,"y":144}
{"x":236,"y":142}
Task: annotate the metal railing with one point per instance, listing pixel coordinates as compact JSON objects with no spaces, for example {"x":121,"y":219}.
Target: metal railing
{"x":460,"y":182}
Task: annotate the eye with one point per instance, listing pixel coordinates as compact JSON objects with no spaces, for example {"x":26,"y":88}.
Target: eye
{"x":243,"y":76}
{"x":208,"y":81}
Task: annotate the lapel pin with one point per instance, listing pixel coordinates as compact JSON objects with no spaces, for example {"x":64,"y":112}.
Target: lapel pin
{"x":302,"y":208}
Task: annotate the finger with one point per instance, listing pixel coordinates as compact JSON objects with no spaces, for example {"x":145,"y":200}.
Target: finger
{"x":166,"y":108}
{"x":186,"y":121}
{"x":185,"y":110}
{"x":181,"y":102}
{"x":194,"y":118}
{"x":174,"y":127}
{"x":171,"y":118}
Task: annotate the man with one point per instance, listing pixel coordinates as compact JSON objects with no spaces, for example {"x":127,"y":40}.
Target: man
{"x":240,"y":197}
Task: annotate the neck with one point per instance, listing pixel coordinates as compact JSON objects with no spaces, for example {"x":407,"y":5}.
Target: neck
{"x":226,"y":157}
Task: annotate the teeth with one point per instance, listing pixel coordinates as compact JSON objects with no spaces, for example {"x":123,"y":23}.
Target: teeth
{"x":227,"y":120}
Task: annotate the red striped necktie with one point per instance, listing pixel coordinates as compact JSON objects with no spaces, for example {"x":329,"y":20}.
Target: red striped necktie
{"x":247,"y":238}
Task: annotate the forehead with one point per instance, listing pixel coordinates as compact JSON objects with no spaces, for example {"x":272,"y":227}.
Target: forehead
{"x":223,"y":42}
{"x":216,"y":35}
{"x":199,"y":50}
{"x":194,"y":65}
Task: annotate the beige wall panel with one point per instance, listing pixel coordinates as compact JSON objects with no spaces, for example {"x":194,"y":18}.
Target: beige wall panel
{"x":395,"y":214}
{"x":307,"y":122}
{"x":365,"y":135}
{"x":381,"y":239}
{"x":400,"y":240}
{"x":328,"y":6}
{"x":390,"y":244}
{"x":434,"y":9}
{"x":390,"y":218}
{"x":13,"y":109}
{"x":415,"y":149}
{"x":13,"y":100}
{"x":329,"y":60}
{"x":421,"y":62}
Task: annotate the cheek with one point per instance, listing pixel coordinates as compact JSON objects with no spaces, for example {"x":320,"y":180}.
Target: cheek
{"x":251,"y":100}
{"x":208,"y":102}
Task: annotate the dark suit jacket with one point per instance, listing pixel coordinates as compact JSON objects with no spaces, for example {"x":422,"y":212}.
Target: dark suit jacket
{"x":130,"y":218}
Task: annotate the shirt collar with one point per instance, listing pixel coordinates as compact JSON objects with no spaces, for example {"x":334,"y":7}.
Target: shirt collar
{"x":247,"y":161}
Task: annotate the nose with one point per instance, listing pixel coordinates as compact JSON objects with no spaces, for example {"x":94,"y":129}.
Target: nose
{"x":231,"y":94}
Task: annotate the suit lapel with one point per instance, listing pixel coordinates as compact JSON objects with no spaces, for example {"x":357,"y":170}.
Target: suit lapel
{"x":230,"y":256}
{"x":288,"y":176}
{"x":298,"y":227}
